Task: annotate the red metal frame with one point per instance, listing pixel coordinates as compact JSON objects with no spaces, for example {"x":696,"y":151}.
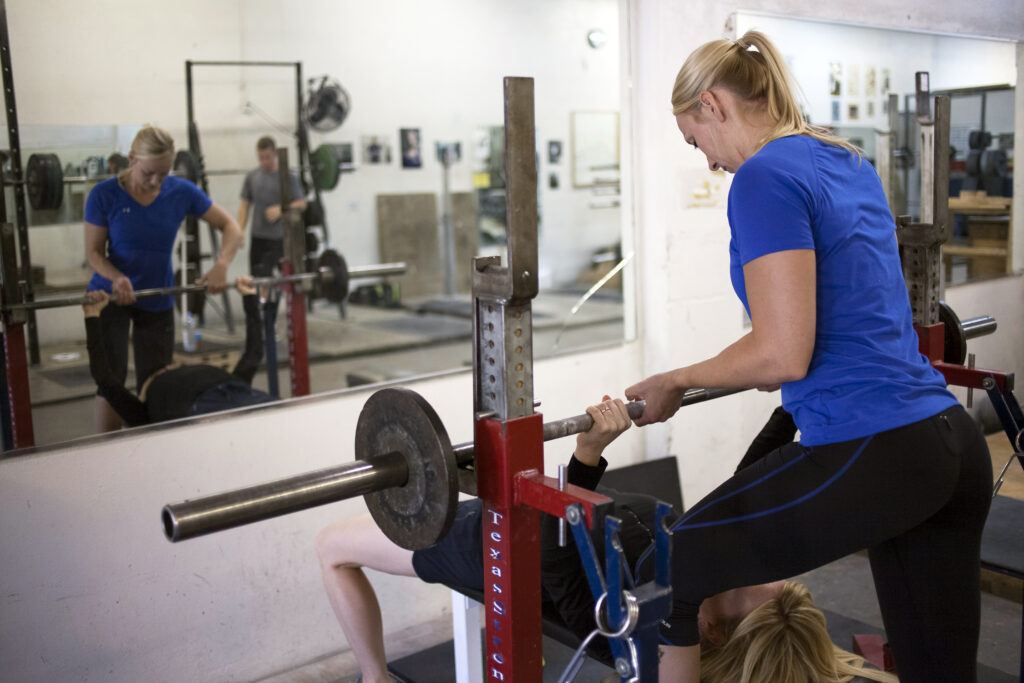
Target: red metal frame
{"x":542,"y":493}
{"x":16,"y":365}
{"x":509,"y":462}
{"x":298,"y":340}
{"x":931,"y":342}
{"x":511,"y":537}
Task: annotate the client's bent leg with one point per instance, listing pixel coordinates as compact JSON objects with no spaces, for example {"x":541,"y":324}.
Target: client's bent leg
{"x":104,"y":417}
{"x":345,"y":548}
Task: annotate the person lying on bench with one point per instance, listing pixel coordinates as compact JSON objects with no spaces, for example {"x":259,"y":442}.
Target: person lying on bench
{"x":179,"y":390}
{"x":776,"y":623}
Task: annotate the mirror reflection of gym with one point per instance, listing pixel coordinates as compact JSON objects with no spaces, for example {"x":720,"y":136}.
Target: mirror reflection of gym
{"x":434,"y":217}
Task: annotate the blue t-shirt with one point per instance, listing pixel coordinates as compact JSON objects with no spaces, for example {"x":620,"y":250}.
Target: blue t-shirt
{"x":141,"y":238}
{"x":866,"y":373}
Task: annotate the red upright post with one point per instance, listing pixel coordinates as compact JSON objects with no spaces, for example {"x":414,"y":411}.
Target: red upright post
{"x":16,"y":366}
{"x":505,"y":450}
{"x":298,"y":341}
{"x":295,"y":299}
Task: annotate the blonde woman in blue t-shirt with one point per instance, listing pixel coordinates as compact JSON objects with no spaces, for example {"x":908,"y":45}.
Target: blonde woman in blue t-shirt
{"x":131,"y":222}
{"x":888,"y":460}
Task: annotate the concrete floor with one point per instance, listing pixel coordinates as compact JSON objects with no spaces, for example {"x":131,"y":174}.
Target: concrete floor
{"x":370,"y":344}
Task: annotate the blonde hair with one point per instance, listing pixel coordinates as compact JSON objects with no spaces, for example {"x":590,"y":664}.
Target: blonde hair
{"x":150,"y":142}
{"x":759,"y":77}
{"x":783,"y":641}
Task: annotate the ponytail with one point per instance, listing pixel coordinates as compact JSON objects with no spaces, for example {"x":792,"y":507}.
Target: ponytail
{"x":752,"y":69}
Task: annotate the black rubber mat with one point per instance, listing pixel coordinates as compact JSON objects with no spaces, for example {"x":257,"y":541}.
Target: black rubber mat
{"x":843,"y":629}
{"x":437,"y":664}
{"x":1002,"y":544}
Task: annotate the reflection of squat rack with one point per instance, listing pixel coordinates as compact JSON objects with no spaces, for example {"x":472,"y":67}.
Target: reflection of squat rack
{"x":942,"y":335}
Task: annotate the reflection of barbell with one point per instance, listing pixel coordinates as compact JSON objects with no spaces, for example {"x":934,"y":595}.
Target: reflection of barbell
{"x":405,"y":466}
{"x":44,"y":176}
{"x":331,"y":280}
{"x":326,"y":163}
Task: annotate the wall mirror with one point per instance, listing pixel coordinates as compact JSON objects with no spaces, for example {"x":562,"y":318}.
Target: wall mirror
{"x":847,"y":74}
{"x":595,"y":148}
{"x":435,"y":214}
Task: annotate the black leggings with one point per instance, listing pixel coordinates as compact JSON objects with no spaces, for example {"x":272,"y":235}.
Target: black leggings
{"x":916,"y":497}
{"x":152,"y":335}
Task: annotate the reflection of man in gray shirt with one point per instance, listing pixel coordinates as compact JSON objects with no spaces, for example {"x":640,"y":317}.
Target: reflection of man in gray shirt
{"x":262,"y":192}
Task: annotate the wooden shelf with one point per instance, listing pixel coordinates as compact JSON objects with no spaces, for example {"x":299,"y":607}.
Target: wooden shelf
{"x":989,"y":235}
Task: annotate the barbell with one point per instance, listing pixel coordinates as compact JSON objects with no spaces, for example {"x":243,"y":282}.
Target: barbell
{"x":326,"y":163}
{"x":406,"y":467}
{"x":331,"y":280}
{"x":45,"y":180}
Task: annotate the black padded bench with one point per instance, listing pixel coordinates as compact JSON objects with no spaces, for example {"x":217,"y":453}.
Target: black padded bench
{"x":658,"y":478}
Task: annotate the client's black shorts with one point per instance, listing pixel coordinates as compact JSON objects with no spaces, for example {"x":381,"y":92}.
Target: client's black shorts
{"x":457,"y":559}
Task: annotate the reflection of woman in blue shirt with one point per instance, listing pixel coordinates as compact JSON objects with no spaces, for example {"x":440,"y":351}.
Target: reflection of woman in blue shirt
{"x":888,"y":460}
{"x":131,"y":222}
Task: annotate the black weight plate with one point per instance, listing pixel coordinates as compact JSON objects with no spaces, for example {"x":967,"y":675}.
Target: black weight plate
{"x":418,"y":514}
{"x":335,"y":290}
{"x":312,"y":242}
{"x":954,"y":340}
{"x":45,"y":180}
{"x":186,"y":166}
{"x":314,"y":214}
{"x":117,"y":163}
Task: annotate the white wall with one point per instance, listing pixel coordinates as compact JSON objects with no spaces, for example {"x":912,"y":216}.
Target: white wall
{"x":93,"y":592}
{"x":435,"y":66}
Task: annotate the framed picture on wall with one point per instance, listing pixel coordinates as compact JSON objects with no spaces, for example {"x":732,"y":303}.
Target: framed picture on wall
{"x":835,"y":78}
{"x":554,"y":151}
{"x":870,"y":81}
{"x":412,"y":148}
{"x":376,"y":149}
{"x":852,"y":79}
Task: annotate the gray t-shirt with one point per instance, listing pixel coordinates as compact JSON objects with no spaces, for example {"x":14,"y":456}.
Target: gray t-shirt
{"x":263,"y":190}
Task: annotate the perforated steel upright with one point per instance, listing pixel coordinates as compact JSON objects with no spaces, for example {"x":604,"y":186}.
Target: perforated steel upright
{"x":508,"y":434}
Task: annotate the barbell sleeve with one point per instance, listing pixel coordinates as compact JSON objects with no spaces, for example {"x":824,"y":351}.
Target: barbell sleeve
{"x":978,"y":327}
{"x":191,"y":518}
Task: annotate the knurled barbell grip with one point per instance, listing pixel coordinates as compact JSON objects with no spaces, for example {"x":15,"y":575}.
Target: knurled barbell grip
{"x":581,"y":423}
{"x":192,"y":518}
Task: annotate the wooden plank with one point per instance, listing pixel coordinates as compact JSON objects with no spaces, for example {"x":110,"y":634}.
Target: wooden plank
{"x":407,"y":230}
{"x":958,"y":250}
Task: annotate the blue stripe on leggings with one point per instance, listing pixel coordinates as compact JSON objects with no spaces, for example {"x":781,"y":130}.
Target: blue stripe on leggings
{"x":694,"y":513}
{"x":681,"y":524}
